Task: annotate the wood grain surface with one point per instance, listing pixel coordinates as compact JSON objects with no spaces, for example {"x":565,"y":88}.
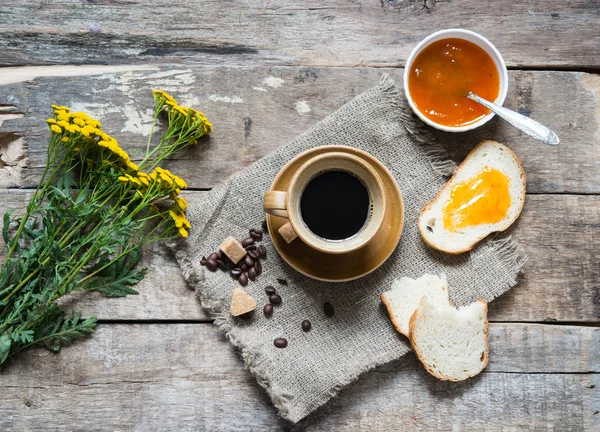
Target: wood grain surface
{"x":256,"y":110}
{"x":378,"y":33}
{"x":264,"y":72}
{"x":186,"y":377}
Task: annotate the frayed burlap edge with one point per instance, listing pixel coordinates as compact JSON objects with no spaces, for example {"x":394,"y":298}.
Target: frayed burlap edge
{"x":508,"y":250}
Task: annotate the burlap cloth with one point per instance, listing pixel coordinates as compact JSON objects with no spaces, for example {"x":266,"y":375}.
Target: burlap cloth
{"x":359,"y":337}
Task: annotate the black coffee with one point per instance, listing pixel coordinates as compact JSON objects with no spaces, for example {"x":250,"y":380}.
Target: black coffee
{"x":335,"y":205}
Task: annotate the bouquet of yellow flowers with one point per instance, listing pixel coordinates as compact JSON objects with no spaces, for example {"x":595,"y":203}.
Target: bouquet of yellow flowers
{"x":85,"y":224}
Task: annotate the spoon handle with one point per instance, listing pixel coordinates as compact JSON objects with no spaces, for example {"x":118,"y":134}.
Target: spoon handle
{"x":527,"y":125}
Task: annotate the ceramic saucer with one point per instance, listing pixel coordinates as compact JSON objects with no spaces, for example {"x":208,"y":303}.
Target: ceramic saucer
{"x":352,"y":265}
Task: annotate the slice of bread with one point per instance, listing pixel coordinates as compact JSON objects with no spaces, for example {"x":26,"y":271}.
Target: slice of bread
{"x":451,"y":343}
{"x":403,"y":299}
{"x":486,"y":154}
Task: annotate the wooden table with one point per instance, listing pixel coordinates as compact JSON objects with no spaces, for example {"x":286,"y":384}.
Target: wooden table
{"x":263,"y":72}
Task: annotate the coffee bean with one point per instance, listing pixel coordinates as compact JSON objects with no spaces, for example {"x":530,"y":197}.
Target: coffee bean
{"x":256,"y":236}
{"x":270,"y":290}
{"x":251,"y":247}
{"x":306,"y":325}
{"x":280,"y":342}
{"x":255,"y":231}
{"x":258,"y":267}
{"x":275,"y":299}
{"x":243,"y":279}
{"x":262,"y":250}
{"x":282,"y":281}
{"x":264,"y":225}
{"x":247,"y":241}
{"x":203,"y":261}
{"x":243,"y":267}
{"x":213,"y":256}
{"x":236,"y":272}
{"x":249,"y":261}
{"x":254,"y":254}
{"x":268,"y":309}
{"x":252,"y":274}
{"x":211,"y":264}
{"x":222,"y":265}
{"x":328,"y":309}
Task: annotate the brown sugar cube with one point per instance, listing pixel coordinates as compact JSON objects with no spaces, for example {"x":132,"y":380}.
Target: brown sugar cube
{"x":288,"y":233}
{"x":241,"y":302}
{"x":233,"y":249}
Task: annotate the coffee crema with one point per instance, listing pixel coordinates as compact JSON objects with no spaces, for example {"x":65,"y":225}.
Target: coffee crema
{"x":335,"y":205}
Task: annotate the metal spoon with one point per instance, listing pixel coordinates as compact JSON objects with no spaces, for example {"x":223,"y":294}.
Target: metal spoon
{"x":527,"y":125}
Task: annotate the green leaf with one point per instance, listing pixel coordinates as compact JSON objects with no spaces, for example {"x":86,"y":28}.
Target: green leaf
{"x":6,"y":226}
{"x":23,"y":336}
{"x":70,"y":331}
{"x":116,"y":285}
{"x":5,"y":343}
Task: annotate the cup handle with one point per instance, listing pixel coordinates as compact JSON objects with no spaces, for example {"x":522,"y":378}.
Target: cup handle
{"x":274,"y":204}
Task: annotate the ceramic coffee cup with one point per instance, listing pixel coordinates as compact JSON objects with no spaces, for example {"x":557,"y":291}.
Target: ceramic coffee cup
{"x":286,"y":203}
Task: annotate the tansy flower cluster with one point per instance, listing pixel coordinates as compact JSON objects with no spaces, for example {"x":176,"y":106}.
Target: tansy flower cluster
{"x":86,"y":222}
{"x":82,"y":136}
{"x":184,"y":122}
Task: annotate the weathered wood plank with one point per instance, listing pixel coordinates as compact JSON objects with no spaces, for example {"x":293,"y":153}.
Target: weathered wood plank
{"x":185,"y":377}
{"x":290,"y":32}
{"x":256,"y":110}
{"x":559,"y":233}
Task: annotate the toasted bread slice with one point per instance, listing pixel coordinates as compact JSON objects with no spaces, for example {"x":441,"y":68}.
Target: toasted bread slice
{"x":451,"y":343}
{"x":403,"y":299}
{"x":487,"y":155}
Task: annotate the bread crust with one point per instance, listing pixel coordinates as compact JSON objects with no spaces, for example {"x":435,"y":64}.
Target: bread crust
{"x":388,"y":306}
{"x":415,"y":348}
{"x":449,"y":182}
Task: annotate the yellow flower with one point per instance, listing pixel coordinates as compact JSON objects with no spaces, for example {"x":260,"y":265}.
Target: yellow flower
{"x":132,"y":166}
{"x":63,"y":115}
{"x":177,"y":218}
{"x":143,"y":179}
{"x":83,"y":116}
{"x":94,"y":123}
{"x":76,"y":149}
{"x":181,"y":203}
{"x":79,"y":122}
{"x":51,"y":121}
{"x":139,"y":193}
{"x":73,"y":128}
{"x":180,"y":182}
{"x":86,"y":130}
{"x":123,"y":179}
{"x":65,"y":139}
{"x":163,"y":95}
{"x":63,"y":124}
{"x":166,"y":178}
{"x":183,"y":233}
{"x":60,"y":108}
{"x":56,"y":129}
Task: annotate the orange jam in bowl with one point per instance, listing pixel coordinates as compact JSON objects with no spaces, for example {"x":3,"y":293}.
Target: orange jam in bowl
{"x":442,"y":75}
{"x":483,"y":199}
